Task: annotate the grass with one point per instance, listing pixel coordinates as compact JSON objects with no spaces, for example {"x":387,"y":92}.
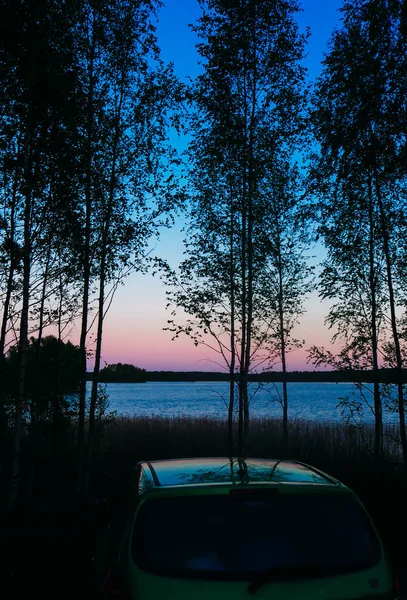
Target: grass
{"x":158,"y":437}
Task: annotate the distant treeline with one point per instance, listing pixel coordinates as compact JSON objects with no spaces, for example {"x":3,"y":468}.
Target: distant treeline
{"x":351,"y":376}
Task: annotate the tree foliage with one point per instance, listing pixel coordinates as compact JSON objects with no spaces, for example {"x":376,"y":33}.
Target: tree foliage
{"x":122,"y":373}
{"x":53,"y":367}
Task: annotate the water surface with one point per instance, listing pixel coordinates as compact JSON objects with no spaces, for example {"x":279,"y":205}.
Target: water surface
{"x":314,"y":401}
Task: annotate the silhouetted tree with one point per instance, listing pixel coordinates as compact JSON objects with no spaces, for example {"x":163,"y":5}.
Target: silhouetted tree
{"x":359,"y":178}
{"x":247,"y":118}
{"x":130,"y":186}
{"x":38,"y":82}
{"x":287,"y":279}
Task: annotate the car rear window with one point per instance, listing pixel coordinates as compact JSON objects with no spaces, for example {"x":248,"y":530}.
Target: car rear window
{"x":239,"y":536}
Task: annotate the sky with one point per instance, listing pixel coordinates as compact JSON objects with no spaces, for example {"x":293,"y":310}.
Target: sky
{"x":133,"y":331}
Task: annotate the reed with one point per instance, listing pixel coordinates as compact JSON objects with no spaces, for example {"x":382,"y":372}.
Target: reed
{"x":158,"y":437}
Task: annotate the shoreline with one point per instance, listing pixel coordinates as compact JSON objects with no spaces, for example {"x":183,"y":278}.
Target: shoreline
{"x":384,"y":376}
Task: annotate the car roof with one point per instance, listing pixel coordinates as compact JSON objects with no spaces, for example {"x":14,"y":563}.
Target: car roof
{"x":225,"y":471}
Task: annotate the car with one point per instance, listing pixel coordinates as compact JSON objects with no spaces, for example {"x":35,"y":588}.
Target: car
{"x":219,"y":528}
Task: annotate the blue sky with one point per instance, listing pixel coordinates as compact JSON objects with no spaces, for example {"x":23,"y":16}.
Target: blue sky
{"x":134,"y":325}
{"x":177,"y":41}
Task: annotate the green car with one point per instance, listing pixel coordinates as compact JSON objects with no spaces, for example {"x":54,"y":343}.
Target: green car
{"x":218,"y":528}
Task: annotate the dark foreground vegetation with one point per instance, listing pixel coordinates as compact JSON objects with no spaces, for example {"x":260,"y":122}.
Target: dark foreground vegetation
{"x":50,"y":547}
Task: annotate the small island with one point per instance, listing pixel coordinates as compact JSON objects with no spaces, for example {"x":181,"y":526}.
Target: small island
{"x":122,"y":373}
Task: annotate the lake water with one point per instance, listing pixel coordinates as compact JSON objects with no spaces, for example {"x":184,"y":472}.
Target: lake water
{"x":314,"y":401}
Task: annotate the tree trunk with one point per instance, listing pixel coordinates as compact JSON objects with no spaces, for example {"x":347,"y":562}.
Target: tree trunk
{"x":11,"y":270}
{"x":378,"y":443}
{"x":102,"y":284}
{"x":23,"y":339}
{"x":56,"y":400}
{"x":6,"y":308}
{"x":396,"y":338}
{"x":243,"y":309}
{"x":230,"y":411}
{"x":95,"y":376}
{"x":35,"y":399}
{"x":251,"y":189}
{"x":86,"y":271}
{"x":232,"y":332}
{"x":286,"y":443}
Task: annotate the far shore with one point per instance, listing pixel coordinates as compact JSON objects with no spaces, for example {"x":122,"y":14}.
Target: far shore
{"x":349,"y":376}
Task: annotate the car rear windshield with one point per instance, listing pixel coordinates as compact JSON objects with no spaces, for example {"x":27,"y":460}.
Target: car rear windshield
{"x":239,"y":536}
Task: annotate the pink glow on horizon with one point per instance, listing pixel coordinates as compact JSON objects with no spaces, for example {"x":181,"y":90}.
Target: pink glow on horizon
{"x":134,"y":334}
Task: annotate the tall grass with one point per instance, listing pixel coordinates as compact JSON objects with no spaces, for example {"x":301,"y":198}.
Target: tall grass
{"x":343,"y":451}
{"x":157,"y":437}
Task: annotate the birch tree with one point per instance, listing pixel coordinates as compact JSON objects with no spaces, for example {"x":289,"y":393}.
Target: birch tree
{"x":130,"y":187}
{"x":247,"y":117}
{"x":357,"y":125}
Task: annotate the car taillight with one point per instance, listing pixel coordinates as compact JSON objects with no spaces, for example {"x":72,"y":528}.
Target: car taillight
{"x":399,"y":586}
{"x":396,"y":582}
{"x":114,"y":585}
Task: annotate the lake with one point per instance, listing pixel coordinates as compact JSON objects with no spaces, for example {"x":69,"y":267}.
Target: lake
{"x":314,"y":401}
